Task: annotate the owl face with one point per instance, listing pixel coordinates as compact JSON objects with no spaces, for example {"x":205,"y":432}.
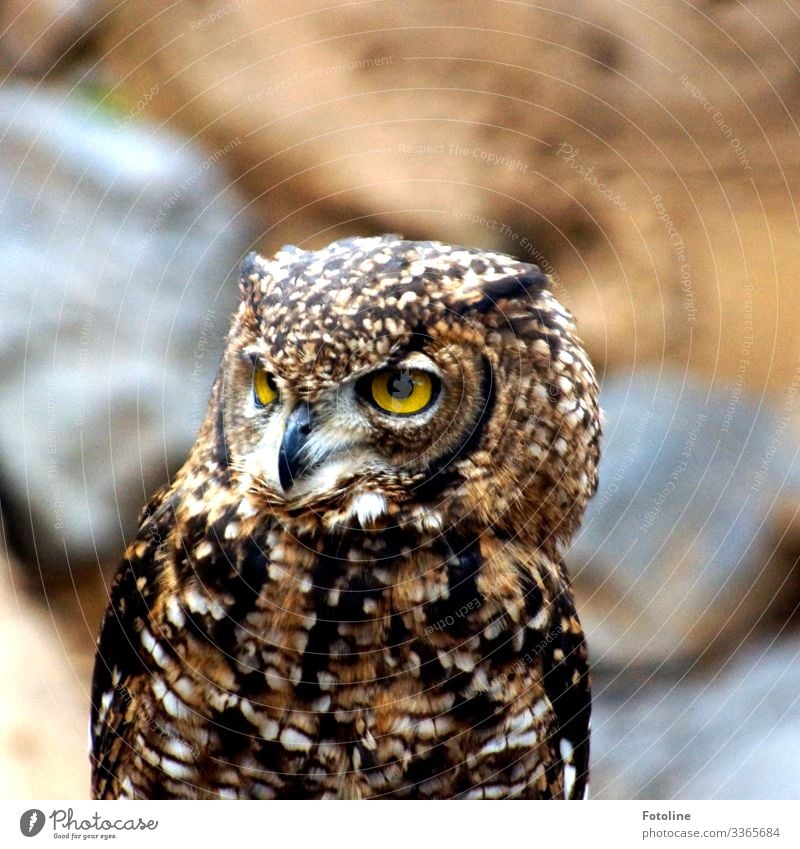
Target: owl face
{"x":380,"y":377}
{"x":383,"y":424}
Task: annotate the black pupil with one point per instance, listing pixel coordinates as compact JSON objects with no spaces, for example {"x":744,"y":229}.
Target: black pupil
{"x":401,"y":386}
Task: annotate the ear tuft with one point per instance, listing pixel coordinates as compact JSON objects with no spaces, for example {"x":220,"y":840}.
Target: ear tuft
{"x":252,"y":271}
{"x":528,"y":283}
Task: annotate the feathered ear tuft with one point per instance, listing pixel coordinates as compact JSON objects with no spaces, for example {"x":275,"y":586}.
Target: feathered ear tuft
{"x":252,"y":271}
{"x":484,"y":297}
{"x":528,"y":284}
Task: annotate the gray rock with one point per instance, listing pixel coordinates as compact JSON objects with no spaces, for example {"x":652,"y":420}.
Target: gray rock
{"x":683,"y":548}
{"x":730,"y":734}
{"x":119,"y":246}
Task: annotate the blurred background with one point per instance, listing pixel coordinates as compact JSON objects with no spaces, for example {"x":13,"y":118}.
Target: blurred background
{"x":645,"y":155}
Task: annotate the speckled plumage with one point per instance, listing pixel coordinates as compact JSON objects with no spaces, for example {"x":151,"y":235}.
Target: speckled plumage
{"x":396,"y":621}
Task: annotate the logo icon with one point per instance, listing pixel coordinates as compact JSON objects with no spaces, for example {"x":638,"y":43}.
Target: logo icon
{"x":31,"y":822}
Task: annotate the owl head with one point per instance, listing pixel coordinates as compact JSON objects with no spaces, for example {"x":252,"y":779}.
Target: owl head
{"x":381,"y":381}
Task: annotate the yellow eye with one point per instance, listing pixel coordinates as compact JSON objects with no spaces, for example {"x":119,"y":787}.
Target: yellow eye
{"x":402,"y":391}
{"x":264,"y":388}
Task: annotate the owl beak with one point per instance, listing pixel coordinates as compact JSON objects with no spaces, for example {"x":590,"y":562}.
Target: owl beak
{"x":292,"y":459}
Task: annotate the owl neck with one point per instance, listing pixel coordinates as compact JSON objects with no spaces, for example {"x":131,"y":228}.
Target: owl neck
{"x":239,"y":553}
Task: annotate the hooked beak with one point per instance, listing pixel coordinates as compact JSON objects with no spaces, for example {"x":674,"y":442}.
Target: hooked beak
{"x":292,"y":460}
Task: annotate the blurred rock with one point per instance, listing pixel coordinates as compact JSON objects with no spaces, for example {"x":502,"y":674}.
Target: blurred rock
{"x":691,"y":541}
{"x":733,"y":734}
{"x":120,"y":244}
{"x":647,"y":153}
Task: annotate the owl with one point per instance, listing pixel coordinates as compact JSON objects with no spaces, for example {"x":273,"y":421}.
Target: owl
{"x":353,"y":588}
